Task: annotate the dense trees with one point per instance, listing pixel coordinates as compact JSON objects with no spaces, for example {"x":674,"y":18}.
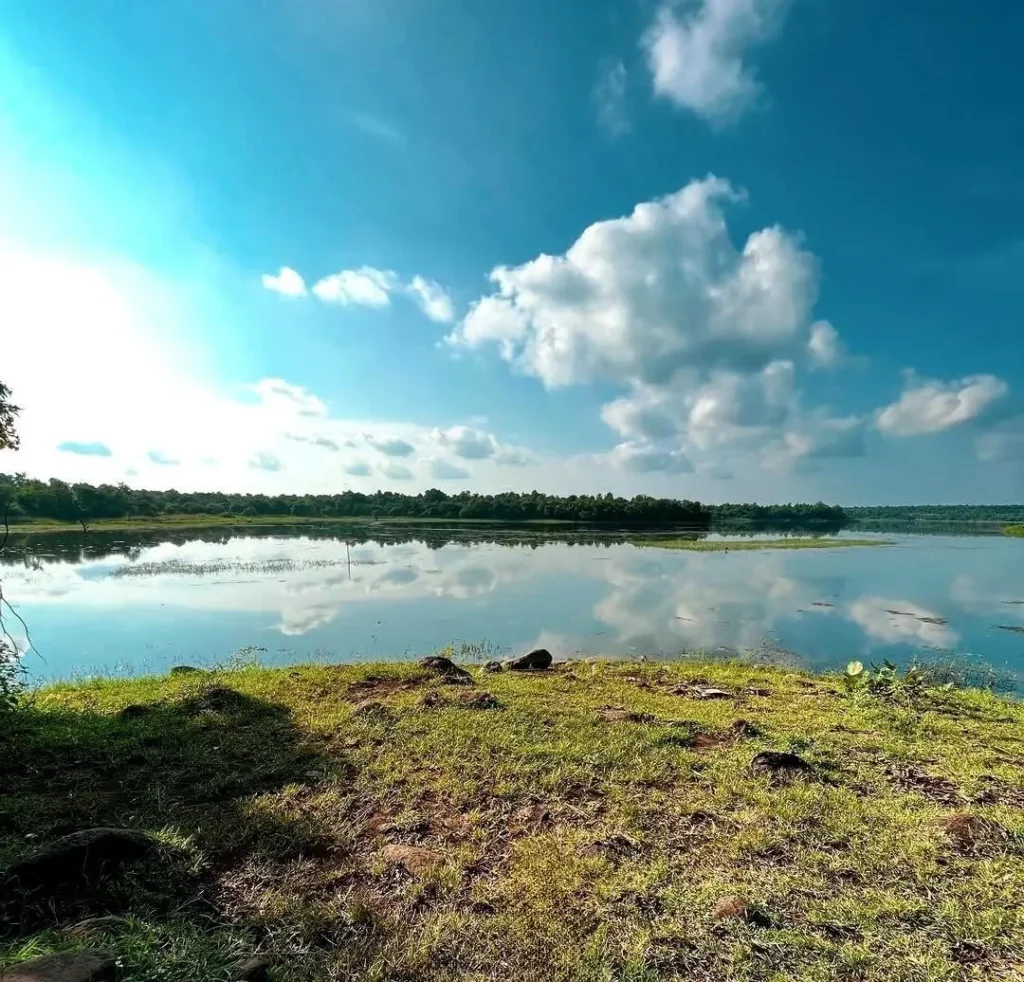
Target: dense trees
{"x":924,"y":514}
{"x":32,"y":499}
{"x":8,"y":435}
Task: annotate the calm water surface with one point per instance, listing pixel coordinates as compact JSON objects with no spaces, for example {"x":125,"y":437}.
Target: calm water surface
{"x":140,"y":603}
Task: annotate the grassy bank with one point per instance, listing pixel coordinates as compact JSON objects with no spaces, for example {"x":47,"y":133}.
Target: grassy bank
{"x":1017,"y":531}
{"x":259,"y":521}
{"x":733,"y":545}
{"x":593,"y":822}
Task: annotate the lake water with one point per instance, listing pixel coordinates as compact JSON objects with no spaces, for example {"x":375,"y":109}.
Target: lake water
{"x":122,"y":603}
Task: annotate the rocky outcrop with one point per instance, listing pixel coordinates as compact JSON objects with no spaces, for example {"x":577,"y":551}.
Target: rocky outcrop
{"x":446,"y":668}
{"x":533,"y":661}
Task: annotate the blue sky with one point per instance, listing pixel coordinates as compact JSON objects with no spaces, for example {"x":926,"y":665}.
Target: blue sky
{"x":726,"y":249}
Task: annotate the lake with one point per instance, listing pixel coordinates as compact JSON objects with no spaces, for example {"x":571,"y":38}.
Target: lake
{"x":130,"y":603}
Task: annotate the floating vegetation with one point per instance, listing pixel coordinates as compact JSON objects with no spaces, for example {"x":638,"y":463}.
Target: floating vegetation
{"x":742,"y":545}
{"x":179,"y":567}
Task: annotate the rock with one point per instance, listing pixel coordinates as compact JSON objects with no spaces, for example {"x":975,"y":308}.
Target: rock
{"x":253,"y":969}
{"x":80,"y":854}
{"x":494,"y":666}
{"x":479,"y":700}
{"x":184,"y":670}
{"x":776,"y":761}
{"x":533,"y":661}
{"x":738,"y":907}
{"x":68,"y":966}
{"x":414,"y":859}
{"x":446,"y":668}
{"x":94,"y":925}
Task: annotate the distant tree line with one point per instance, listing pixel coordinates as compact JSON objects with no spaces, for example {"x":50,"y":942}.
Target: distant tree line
{"x":924,"y":514}
{"x":26,"y":499}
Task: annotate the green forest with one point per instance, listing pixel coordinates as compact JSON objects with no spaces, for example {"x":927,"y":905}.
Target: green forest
{"x":24,"y":499}
{"x":922,"y":514}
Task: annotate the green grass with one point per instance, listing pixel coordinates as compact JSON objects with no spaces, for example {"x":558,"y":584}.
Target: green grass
{"x":1017,"y":531}
{"x":730,"y":545}
{"x":567,"y":842}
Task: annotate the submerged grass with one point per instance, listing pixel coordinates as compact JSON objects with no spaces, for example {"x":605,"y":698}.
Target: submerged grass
{"x":592,"y":822}
{"x":1017,"y":531}
{"x":731,"y":545}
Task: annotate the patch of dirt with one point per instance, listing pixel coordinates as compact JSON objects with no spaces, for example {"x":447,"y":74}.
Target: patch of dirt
{"x":995,"y":791}
{"x":376,"y":687}
{"x":414,"y":859}
{"x":617,"y":846}
{"x":616,"y":714}
{"x":779,"y":764}
{"x":913,"y":779}
{"x":478,"y":700}
{"x":970,"y":833}
{"x":739,"y":908}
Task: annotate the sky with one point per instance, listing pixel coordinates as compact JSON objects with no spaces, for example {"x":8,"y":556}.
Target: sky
{"x":758,"y":250}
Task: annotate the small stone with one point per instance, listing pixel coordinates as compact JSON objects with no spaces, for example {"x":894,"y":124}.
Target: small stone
{"x":253,"y":969}
{"x":414,"y":859}
{"x":776,"y":761}
{"x":446,"y":668}
{"x":479,"y":700}
{"x":533,"y":661}
{"x":80,"y":854}
{"x":95,"y":925}
{"x":494,"y":666}
{"x":68,"y":966}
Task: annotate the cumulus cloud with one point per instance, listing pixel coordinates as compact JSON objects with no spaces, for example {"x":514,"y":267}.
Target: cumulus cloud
{"x":696,"y":50}
{"x":818,"y":437}
{"x":358,"y":468}
{"x":824,"y":346}
{"x":900,"y":621}
{"x":314,"y":440}
{"x":639,"y":297}
{"x":94,"y":449}
{"x":263,"y":461}
{"x":610,"y":100}
{"x":397,"y":472}
{"x":287,"y":282}
{"x":160,"y":458}
{"x":445,"y":470}
{"x":280,"y":396}
{"x":365,"y":287}
{"x":646,"y":459}
{"x":432,"y":299}
{"x":464,"y":441}
{"x":931,"y":406}
{"x":391,"y":447}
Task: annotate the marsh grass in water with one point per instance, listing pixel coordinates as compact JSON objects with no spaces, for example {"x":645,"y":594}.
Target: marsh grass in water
{"x":640,"y":822}
{"x":731,"y":545}
{"x":1016,"y":531}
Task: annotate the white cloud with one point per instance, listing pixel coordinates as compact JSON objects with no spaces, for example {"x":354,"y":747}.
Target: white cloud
{"x":358,"y":468}
{"x":282,"y":397}
{"x":645,"y":459}
{"x":610,"y":100}
{"x":365,"y":287}
{"x":161,"y":459}
{"x":263,"y":461}
{"x":636,"y":298}
{"x":396,"y":472}
{"x":391,"y":446}
{"x":287,"y":282}
{"x":824,"y":346}
{"x":695,"y":52}
{"x":432,"y":299}
{"x":314,"y":440}
{"x":900,"y":621}
{"x":931,"y":406}
{"x":464,"y":441}
{"x":445,"y":470}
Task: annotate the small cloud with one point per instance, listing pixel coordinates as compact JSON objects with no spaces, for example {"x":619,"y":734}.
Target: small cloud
{"x":365,"y":287}
{"x":282,"y":396}
{"x":287,"y":282}
{"x":610,"y":100}
{"x":931,"y":406}
{"x":314,"y":441}
{"x":645,"y":459}
{"x":397,"y":472}
{"x":262,"y":461}
{"x":93,"y":449}
{"x":158,"y":457}
{"x":824,"y":346}
{"x":358,"y":468}
{"x":432,"y":299}
{"x":445,"y":470}
{"x":513,"y":457}
{"x":391,"y":447}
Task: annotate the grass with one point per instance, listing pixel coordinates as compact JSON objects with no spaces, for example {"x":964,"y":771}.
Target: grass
{"x":1017,"y":531}
{"x":730,"y":545}
{"x":592,"y":827}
